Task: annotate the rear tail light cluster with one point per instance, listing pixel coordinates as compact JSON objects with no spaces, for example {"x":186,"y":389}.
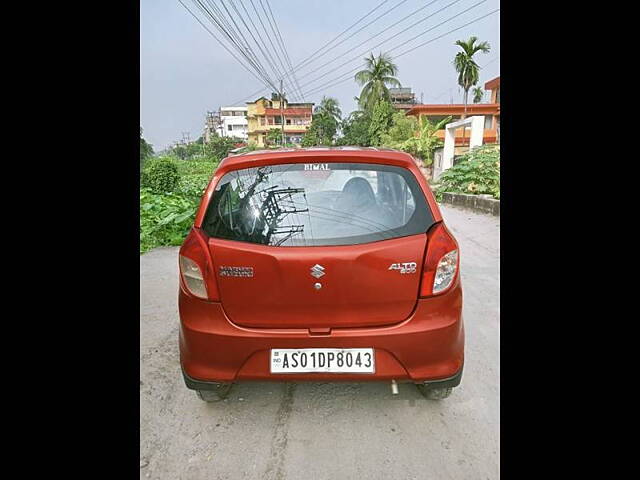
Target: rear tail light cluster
{"x":196,"y":269}
{"x":193,"y":277}
{"x":440,"y":263}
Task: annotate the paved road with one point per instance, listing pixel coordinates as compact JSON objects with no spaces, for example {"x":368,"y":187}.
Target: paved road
{"x":322,"y":430}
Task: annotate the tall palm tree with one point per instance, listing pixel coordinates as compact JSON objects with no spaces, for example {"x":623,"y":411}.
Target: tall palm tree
{"x":378,"y":75}
{"x":329,"y":106}
{"x":478,"y":93}
{"x":468,"y":70}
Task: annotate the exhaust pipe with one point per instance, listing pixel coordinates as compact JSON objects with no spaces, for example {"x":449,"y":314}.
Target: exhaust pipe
{"x":394,"y":387}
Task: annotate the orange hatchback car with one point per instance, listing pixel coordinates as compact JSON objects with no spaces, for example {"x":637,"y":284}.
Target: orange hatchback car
{"x":322,"y":264}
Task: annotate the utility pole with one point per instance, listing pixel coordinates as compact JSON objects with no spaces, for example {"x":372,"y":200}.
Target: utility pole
{"x":282,"y":111}
{"x":223,"y":132}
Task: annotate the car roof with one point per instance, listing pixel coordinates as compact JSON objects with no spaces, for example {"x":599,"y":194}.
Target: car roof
{"x":377,"y":155}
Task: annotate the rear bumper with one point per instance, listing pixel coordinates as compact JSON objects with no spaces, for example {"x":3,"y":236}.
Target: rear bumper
{"x":194,"y":384}
{"x":427,"y":347}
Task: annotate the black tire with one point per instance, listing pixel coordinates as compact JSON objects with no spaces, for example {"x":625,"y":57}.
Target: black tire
{"x":434,"y":393}
{"x":214,"y":395}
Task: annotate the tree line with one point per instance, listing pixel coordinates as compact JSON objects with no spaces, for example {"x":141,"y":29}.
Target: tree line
{"x":376,"y":123}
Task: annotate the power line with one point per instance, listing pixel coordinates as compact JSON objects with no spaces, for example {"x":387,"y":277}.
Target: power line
{"x":284,"y":55}
{"x":490,"y":62}
{"x":220,"y":21}
{"x":268,"y":38}
{"x":384,"y":30}
{"x":364,"y":52}
{"x":284,"y":49}
{"x":218,"y":24}
{"x":267,"y":57}
{"x":268,"y":52}
{"x":315,"y":90}
{"x":322,"y":47}
{"x":236,"y":38}
{"x":436,"y":97}
{"x":273,"y":68}
{"x":239,"y":30}
{"x":340,"y":34}
{"x":397,"y":46}
{"x":357,"y":31}
{"x":258,"y":77}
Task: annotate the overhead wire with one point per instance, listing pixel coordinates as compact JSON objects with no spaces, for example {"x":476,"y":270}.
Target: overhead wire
{"x":268,"y":37}
{"x":219,"y":24}
{"x":267,"y":57}
{"x":384,"y":30}
{"x":284,"y":48}
{"x":257,"y":92}
{"x":357,"y":31}
{"x":364,"y":52}
{"x":247,"y":68}
{"x":266,"y":48}
{"x":331,"y":84}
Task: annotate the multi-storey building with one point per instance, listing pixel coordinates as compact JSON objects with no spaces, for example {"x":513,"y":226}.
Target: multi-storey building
{"x":227,"y":122}
{"x":402,"y":98}
{"x":234,"y":123}
{"x":265,"y":115}
{"x":490,"y":111}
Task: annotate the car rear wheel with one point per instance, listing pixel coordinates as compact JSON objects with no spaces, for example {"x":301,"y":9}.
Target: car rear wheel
{"x":434,"y":393}
{"x":216,"y":395}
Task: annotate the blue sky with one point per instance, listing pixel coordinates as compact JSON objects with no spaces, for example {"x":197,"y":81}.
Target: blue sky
{"x":184,"y":72}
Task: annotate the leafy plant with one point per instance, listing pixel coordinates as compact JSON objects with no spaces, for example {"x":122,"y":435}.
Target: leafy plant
{"x":310,"y":138}
{"x":165,"y":219}
{"x":193,"y":167}
{"x":478,"y":172}
{"x":355,"y":129}
{"x":160,"y":175}
{"x":426,"y":142}
{"x":418,"y":138}
{"x":193,"y":185}
{"x":274,"y":137}
{"x":325,"y":123}
{"x":146,"y":150}
{"x":381,"y":120}
{"x":403,"y":127}
{"x":478,"y":93}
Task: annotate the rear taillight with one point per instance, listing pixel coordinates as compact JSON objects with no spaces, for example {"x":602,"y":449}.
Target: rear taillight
{"x":441,"y":262}
{"x":197,"y":276}
{"x":193,"y":277}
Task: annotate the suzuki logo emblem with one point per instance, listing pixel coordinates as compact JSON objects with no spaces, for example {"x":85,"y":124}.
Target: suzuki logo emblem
{"x":317,"y":270}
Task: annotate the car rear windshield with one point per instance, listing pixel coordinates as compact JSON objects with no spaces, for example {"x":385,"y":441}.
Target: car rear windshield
{"x":317,"y":204}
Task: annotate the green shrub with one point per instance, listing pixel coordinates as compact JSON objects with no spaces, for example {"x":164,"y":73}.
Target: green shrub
{"x":478,"y":172}
{"x":167,"y":215}
{"x":196,"y":167}
{"x":194,"y":185}
{"x":160,"y":175}
{"x":165,"y":219}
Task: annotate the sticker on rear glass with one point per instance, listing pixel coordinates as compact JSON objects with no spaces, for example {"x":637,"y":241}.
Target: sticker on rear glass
{"x":316,"y":166}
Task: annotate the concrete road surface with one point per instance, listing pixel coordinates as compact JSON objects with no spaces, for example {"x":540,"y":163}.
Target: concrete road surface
{"x":325,"y":430}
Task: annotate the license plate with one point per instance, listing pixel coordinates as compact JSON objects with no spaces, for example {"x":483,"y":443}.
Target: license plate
{"x":323,"y":360}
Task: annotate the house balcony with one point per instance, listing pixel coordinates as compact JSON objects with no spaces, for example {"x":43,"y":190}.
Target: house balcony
{"x":490,"y":135}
